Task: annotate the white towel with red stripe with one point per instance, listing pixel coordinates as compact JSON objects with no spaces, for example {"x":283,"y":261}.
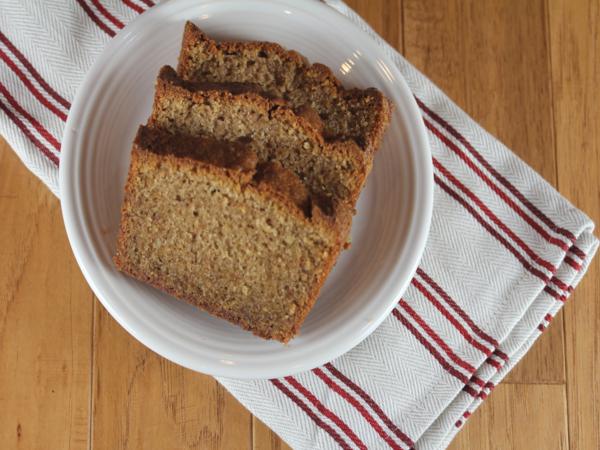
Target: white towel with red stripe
{"x":504,"y":253}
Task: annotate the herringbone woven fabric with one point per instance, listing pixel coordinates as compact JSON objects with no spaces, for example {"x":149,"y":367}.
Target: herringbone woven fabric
{"x":504,"y":253}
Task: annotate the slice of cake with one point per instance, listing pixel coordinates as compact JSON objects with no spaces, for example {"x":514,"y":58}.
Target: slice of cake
{"x":204,"y":222}
{"x":358,"y":114}
{"x":334,"y":170}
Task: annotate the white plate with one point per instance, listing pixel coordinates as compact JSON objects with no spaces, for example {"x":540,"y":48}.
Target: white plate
{"x":388,"y":234}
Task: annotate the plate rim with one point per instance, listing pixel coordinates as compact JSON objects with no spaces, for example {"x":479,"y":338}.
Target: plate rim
{"x":74,"y":227}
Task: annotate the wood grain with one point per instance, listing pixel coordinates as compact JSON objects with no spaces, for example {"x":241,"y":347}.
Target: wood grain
{"x":512,"y":419}
{"x":575,"y":43}
{"x":265,"y":439}
{"x":71,"y":377}
{"x":141,"y":400}
{"x":385,"y":16}
{"x":45,"y":320}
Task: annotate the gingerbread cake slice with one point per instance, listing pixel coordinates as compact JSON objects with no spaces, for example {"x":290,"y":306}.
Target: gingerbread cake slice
{"x":205,"y":222}
{"x":361,"y":115}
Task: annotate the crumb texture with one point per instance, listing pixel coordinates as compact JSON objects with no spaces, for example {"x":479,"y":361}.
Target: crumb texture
{"x":232,"y":248}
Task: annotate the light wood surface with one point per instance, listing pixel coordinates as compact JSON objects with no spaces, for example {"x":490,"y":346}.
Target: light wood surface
{"x":70,"y":377}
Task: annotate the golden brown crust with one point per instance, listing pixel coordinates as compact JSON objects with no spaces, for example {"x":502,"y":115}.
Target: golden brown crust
{"x":170,"y":85}
{"x":234,"y":155}
{"x":379,"y":107}
{"x":168,"y":81}
{"x":274,"y":174}
{"x":193,"y":34}
{"x":232,"y":160}
{"x":310,"y":115}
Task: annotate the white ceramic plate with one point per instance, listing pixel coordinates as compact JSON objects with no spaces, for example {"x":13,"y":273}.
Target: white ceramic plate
{"x":388,"y":234}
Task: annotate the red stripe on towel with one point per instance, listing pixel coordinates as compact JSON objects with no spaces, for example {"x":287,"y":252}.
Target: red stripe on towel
{"x":137,"y":8}
{"x":41,"y":147}
{"x":38,"y":126}
{"x":500,"y":178}
{"x":34,"y":73}
{"x":430,"y":348}
{"x":336,"y":437}
{"x":491,"y":230}
{"x":326,"y":411}
{"x":494,"y":218}
{"x":359,"y":408}
{"x":449,"y":144}
{"x":369,"y":401}
{"x":436,"y":303}
{"x":457,"y":309}
{"x":436,"y":338}
{"x":92,"y":15}
{"x":106,"y":13}
{"x":31,"y":87}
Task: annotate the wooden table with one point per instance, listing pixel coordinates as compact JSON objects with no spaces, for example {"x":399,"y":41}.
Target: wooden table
{"x":70,"y":377}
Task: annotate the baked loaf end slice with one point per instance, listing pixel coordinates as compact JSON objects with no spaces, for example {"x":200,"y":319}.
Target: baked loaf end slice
{"x":358,"y":114}
{"x":202,"y":222}
{"x":334,"y":170}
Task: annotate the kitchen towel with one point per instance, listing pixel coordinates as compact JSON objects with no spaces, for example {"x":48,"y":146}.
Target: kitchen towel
{"x":504,"y":252}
